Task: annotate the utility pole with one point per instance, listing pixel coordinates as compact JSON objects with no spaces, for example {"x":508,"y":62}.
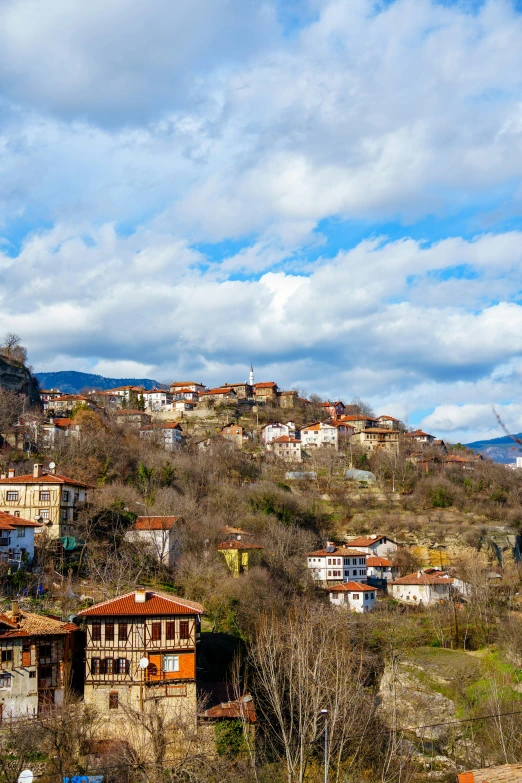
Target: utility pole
{"x":325,"y":713}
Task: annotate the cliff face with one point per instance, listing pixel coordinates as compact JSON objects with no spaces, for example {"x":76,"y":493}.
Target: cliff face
{"x":17,"y":378}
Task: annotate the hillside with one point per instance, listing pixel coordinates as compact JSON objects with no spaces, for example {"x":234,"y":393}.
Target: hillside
{"x":72,"y":382}
{"x":498,"y":449}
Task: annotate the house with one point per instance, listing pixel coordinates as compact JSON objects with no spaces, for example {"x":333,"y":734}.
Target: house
{"x":337,"y":564}
{"x":190,"y":385}
{"x":420,"y":436}
{"x":168,"y":433}
{"x":389,"y":421}
{"x":376,"y":545}
{"x":374,"y":438}
{"x":239,"y":555}
{"x":319,"y":434}
{"x":355,"y":596}
{"x":381,"y":569}
{"x":159,"y":535}
{"x":49,"y":394}
{"x":184,"y":393}
{"x":141,"y":650}
{"x":358,"y":421}
{"x":287,"y":448}
{"x":47,"y":497}
{"x":132,"y":416}
{"x":421,"y":588}
{"x":344,"y":428}
{"x":506,"y":773}
{"x":126,"y":392}
{"x":184,"y":405}
{"x":244,"y":391}
{"x":266,"y":392}
{"x":333,"y":409}
{"x":288,"y":399}
{"x":57,"y":428}
{"x":228,"y":533}
{"x":464,"y":463}
{"x":67,"y":403}
{"x":16,"y":538}
{"x":234,"y":433}
{"x":272,"y":431}
{"x":225,"y":394}
{"x":158,"y":399}
{"x":36,"y":653}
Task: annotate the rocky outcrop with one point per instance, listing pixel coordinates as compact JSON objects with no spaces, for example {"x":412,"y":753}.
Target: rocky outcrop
{"x":17,"y":378}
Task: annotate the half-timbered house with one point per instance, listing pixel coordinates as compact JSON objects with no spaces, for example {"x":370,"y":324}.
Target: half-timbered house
{"x":146,"y":627}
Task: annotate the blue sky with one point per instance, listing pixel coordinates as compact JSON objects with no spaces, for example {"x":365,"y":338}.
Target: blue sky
{"x":329,"y":189}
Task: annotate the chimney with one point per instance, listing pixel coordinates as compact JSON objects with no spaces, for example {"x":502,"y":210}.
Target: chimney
{"x":2,"y":476}
{"x":140,"y":595}
{"x":37,"y":470}
{"x":15,"y":610}
{"x":418,"y":574}
{"x":11,"y":473}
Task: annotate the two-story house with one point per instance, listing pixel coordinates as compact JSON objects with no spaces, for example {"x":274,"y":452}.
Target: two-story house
{"x":189,"y":385}
{"x":355,"y":596}
{"x":141,"y":649}
{"x":333,"y":409}
{"x":374,"y":438}
{"x":287,"y":448}
{"x":389,"y":421}
{"x":335,"y":564}
{"x":244,"y":391}
{"x":275,"y":430}
{"x":421,"y":437}
{"x":358,"y":421}
{"x":168,"y":433}
{"x":45,"y":497}
{"x":36,"y":655}
{"x":421,"y":588}
{"x":220,"y":394}
{"x":376,"y":545}
{"x":381,"y":570}
{"x":159,"y":535}
{"x":16,"y":538}
{"x":319,"y":434}
{"x":158,"y":399}
{"x":266,"y":392}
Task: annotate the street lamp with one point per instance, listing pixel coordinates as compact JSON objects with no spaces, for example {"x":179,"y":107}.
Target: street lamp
{"x":325,"y":713}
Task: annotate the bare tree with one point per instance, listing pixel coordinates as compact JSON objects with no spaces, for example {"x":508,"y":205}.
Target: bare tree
{"x":12,"y":349}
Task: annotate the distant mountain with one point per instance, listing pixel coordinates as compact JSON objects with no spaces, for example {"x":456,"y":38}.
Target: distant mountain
{"x":72,"y":382}
{"x":498,"y":449}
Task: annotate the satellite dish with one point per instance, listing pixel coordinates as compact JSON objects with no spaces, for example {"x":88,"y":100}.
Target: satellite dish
{"x":52,"y":465}
{"x":144,"y":662}
{"x":26,"y":776}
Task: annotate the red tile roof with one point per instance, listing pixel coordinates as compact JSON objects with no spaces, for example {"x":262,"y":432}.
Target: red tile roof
{"x":243,"y":707}
{"x":285,"y":439}
{"x":64,"y":422}
{"x":10,"y":522}
{"x":351,"y":587}
{"x":45,"y":478}
{"x":388,"y":418}
{"x":155,"y":604}
{"x":340,"y":551}
{"x":219,"y":390}
{"x":356,"y":417}
{"x":421,"y":578}
{"x":29,"y":624}
{"x":507,"y":773}
{"x":378,"y":561}
{"x":265,"y":385}
{"x":154,"y":523}
{"x":417,"y":434}
{"x":367,"y":540}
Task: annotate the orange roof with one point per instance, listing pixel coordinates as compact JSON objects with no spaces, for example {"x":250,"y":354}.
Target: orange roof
{"x":421,"y":578}
{"x":243,"y":707}
{"x":381,"y":430}
{"x":237,"y":545}
{"x":265,"y":385}
{"x":65,"y":422}
{"x":220,"y":390}
{"x":367,"y":540}
{"x":378,"y":561}
{"x":29,"y":624}
{"x":154,"y":523}
{"x":45,"y":478}
{"x":417,"y":433}
{"x":155,"y":604}
{"x":356,"y":417}
{"x":351,"y":587}
{"x":10,"y":522}
{"x":507,"y":773}
{"x":388,"y":418}
{"x":340,"y":551}
{"x":285,"y":439}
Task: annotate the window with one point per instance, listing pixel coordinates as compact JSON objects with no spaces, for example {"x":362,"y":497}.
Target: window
{"x":16,"y":513}
{"x":113,"y":700}
{"x":96,"y":631}
{"x":12,"y":495}
{"x":171,"y":663}
{"x":65,"y":496}
{"x":109,"y":631}
{"x":355,"y":596}
{"x":64,"y":513}
{"x":5,"y":680}
{"x":32,"y":675}
{"x":44,"y":651}
{"x":170,"y":630}
{"x":7,"y":655}
{"x":44,"y":513}
{"x":123,"y":666}
{"x":95,"y":665}
{"x":46,"y":673}
{"x":156,"y":632}
{"x":122,"y":632}
{"x":20,"y":532}
{"x":45,"y":495}
{"x":184,"y":632}
{"x":108,"y":666}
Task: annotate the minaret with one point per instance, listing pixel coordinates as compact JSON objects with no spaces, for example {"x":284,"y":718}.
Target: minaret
{"x":251,"y":376}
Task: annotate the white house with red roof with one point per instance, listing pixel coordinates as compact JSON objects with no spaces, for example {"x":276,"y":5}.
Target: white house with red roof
{"x":422,"y":437}
{"x":158,"y":399}
{"x":375,"y":544}
{"x":421,"y":588}
{"x":158,"y":535}
{"x":168,"y":433}
{"x":319,"y":434}
{"x":337,"y":564}
{"x":141,"y":651}
{"x":355,"y":596}
{"x":275,"y":430}
{"x":16,"y":537}
{"x":192,"y":386}
{"x":43,"y":496}
{"x":381,"y":568}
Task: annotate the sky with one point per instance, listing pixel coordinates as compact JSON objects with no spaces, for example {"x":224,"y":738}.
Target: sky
{"x":329,"y":189}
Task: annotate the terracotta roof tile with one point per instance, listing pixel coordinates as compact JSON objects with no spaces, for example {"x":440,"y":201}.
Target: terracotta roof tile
{"x":420,"y":578}
{"x":45,"y":478}
{"x":366,"y":540}
{"x":338,"y":552}
{"x":29,"y":624}
{"x":242,"y":707}
{"x":378,"y":561}
{"x":154,"y":523}
{"x":266,"y":385}
{"x":285,"y":439}
{"x":155,"y":604}
{"x":10,"y":522}
{"x":351,"y":587}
